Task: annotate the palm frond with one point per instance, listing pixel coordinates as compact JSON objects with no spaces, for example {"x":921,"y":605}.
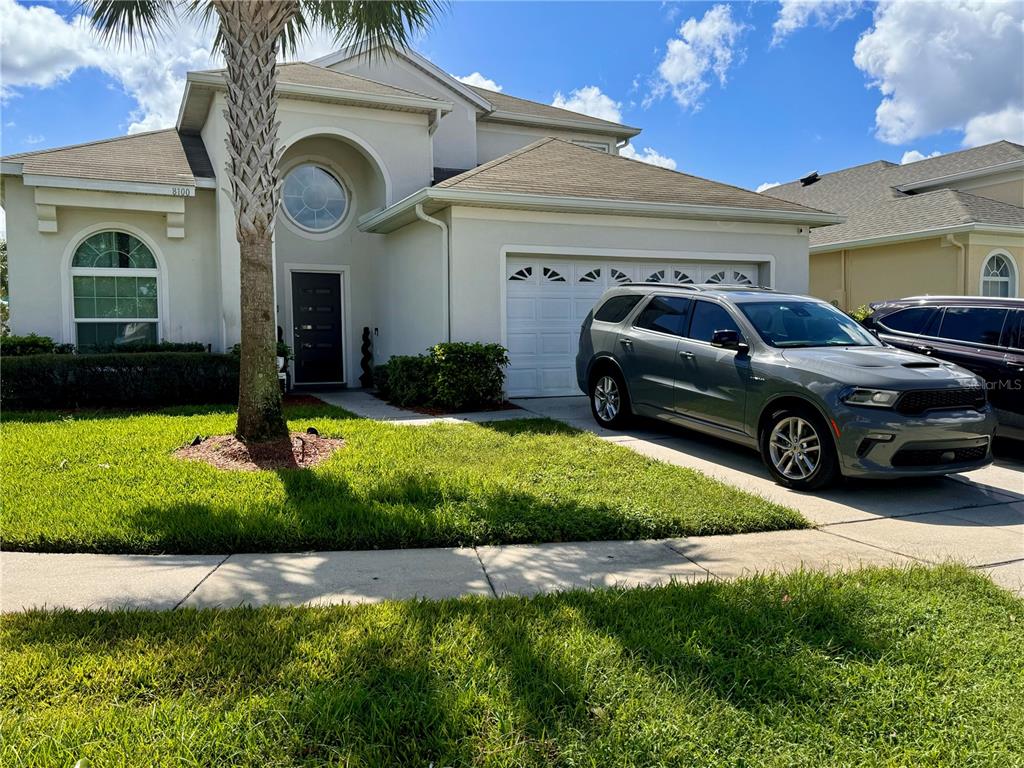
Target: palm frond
{"x":371,"y":25}
{"x":129,"y":21}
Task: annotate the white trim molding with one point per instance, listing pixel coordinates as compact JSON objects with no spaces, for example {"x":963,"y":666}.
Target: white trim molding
{"x":361,"y":144}
{"x":920,"y":234}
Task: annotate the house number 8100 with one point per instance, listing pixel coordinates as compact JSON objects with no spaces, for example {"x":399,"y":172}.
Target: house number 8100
{"x":183,"y":192}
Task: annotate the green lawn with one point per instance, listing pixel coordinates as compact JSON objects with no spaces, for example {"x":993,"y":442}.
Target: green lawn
{"x":919,"y":667}
{"x":108,"y":483}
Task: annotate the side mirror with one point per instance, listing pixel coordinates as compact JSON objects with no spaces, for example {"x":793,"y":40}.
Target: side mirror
{"x":729,"y":340}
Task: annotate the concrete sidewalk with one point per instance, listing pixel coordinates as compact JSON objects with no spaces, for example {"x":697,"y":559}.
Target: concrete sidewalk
{"x":164,"y":582}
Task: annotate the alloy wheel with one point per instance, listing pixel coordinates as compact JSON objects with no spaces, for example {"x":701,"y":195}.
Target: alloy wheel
{"x":607,"y":400}
{"x":795,"y":448}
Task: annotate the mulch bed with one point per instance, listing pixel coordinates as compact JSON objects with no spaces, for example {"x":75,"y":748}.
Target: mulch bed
{"x":301,"y":451}
{"x":293,"y":399}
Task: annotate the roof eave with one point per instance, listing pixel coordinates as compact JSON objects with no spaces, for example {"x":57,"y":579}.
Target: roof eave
{"x":397,"y":215}
{"x":518,"y":118}
{"x":410,"y":103}
{"x":937,"y":181}
{"x":921,"y":234}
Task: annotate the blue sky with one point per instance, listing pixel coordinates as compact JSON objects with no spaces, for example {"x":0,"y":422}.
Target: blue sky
{"x":746,"y":93}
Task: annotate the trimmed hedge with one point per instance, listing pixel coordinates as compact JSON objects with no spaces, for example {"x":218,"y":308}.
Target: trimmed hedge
{"x":33,"y":344}
{"x":134,"y":380}
{"x":454,"y":376}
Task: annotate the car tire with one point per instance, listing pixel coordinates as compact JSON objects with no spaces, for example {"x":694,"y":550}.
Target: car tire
{"x":609,"y":400}
{"x":798,"y":449}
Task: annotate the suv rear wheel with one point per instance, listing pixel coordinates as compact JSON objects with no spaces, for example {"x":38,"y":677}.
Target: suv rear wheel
{"x":609,"y":401}
{"x":798,"y":450}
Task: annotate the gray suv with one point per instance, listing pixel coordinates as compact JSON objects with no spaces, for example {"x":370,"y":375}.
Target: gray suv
{"x":790,"y":375}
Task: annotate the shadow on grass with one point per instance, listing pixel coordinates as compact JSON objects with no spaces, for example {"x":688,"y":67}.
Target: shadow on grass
{"x":416,"y":682}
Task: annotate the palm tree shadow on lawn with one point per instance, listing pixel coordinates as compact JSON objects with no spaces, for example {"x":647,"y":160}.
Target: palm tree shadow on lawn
{"x":394,"y":683}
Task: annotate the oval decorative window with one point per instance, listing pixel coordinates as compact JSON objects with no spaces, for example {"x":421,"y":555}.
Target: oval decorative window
{"x":313,"y":198}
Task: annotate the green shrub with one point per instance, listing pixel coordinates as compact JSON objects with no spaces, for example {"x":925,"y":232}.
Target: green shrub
{"x":410,"y":380}
{"x":861,"y":313}
{"x":453,"y":376}
{"x":468,"y":375}
{"x":136,"y":380}
{"x":18,"y":346}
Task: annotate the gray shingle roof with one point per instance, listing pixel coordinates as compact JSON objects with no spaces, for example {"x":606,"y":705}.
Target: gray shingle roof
{"x":503,"y":102}
{"x":561,"y":168}
{"x":301,"y":73}
{"x":867,"y":196}
{"x":157,"y":157}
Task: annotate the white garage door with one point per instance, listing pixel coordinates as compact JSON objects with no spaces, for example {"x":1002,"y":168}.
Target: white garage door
{"x":548,"y":299}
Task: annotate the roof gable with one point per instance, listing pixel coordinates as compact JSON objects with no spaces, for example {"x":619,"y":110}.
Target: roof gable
{"x":414,"y":59}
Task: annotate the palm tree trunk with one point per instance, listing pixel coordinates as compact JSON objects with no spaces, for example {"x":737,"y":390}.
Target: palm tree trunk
{"x":249,"y":40}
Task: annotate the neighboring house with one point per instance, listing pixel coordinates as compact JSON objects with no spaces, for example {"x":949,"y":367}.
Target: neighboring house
{"x":414,"y":205}
{"x":952,"y":224}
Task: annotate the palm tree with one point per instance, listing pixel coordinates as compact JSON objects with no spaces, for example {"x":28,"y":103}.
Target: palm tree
{"x":250,"y":33}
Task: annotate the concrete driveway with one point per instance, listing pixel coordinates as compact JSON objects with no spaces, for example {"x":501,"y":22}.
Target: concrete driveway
{"x":976,"y":517}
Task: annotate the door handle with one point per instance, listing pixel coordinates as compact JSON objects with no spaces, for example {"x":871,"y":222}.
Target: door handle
{"x":626,"y":342}
{"x":686,"y":355}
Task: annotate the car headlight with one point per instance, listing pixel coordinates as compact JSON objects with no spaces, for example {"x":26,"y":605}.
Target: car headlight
{"x":877,"y":398}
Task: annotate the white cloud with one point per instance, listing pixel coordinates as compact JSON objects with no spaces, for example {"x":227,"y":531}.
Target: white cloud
{"x":943,"y":65}
{"x":40,"y":49}
{"x":912,"y":156}
{"x":1005,"y":124}
{"x":649,"y":156}
{"x":35,"y":138}
{"x":589,"y":100}
{"x":479,"y":81}
{"x":767,"y":185}
{"x":703,"y":49}
{"x":797,"y":14}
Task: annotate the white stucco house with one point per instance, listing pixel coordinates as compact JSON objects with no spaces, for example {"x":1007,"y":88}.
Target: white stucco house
{"x":414,"y":205}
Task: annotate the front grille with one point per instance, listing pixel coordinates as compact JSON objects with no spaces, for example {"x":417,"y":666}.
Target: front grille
{"x":921,"y":400}
{"x":910,"y":457}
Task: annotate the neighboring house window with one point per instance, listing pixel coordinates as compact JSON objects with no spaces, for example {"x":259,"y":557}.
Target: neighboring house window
{"x":999,"y":276}
{"x":314,"y":198}
{"x":114,"y":290}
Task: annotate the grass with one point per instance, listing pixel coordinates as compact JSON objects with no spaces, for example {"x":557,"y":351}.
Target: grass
{"x":109,"y":483}
{"x":916,"y":667}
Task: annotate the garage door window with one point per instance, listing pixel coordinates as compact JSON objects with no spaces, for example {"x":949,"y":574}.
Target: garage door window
{"x":666,"y":314}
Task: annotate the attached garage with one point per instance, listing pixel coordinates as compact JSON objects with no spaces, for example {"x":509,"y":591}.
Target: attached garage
{"x":547,"y":300}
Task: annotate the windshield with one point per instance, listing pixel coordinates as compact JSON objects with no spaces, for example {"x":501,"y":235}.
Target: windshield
{"x":805,"y":324}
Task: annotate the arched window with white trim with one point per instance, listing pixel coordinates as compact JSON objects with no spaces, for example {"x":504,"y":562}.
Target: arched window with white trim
{"x":999,"y":275}
{"x":114,"y":285}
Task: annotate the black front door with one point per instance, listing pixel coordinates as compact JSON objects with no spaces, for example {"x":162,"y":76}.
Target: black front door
{"x":316,"y":318}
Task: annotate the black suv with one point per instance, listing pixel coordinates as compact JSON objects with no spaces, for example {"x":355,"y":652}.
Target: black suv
{"x":983,"y":335}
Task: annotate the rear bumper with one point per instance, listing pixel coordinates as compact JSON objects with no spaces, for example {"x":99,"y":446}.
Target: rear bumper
{"x":881,"y":443}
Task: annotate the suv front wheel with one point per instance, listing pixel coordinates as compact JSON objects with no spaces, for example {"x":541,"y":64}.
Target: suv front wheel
{"x":609,"y":401}
{"x":798,"y":450}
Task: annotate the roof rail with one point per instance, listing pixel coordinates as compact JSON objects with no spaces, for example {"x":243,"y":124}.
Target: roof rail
{"x":697,"y":287}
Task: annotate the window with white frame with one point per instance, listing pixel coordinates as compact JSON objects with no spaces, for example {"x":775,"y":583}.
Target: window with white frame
{"x":999,"y":276}
{"x":598,"y":145}
{"x":114,"y":280}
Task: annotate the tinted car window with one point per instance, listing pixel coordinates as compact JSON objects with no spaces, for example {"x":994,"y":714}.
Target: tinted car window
{"x":667,"y":314}
{"x":790,"y":323}
{"x":616,"y":308}
{"x":978,"y":325}
{"x":921,"y":320}
{"x":1013,"y":333}
{"x":708,"y":318}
